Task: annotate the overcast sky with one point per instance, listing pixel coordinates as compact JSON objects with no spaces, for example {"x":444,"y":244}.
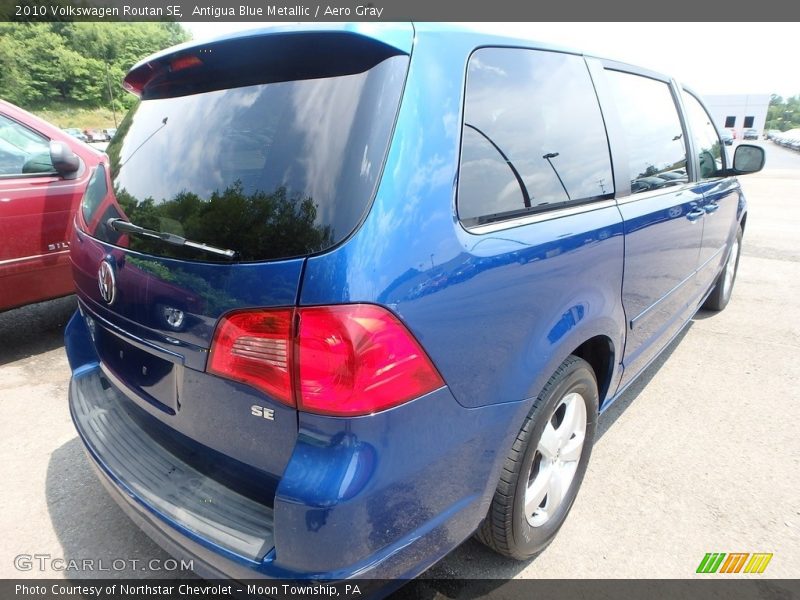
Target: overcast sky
{"x":713,"y":58}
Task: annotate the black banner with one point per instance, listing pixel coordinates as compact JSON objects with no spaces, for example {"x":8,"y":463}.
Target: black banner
{"x":392,"y":10}
{"x":708,"y":587}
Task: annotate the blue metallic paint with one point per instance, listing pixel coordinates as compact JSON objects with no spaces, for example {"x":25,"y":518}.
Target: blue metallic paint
{"x":392,"y":479}
{"x":529,"y":272}
{"x":204,"y":291}
{"x":407,"y":485}
{"x":662,"y":247}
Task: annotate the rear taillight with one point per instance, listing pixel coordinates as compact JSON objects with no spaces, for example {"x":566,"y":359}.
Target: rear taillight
{"x":345,"y":360}
{"x":357,"y":359}
{"x":255,"y":348}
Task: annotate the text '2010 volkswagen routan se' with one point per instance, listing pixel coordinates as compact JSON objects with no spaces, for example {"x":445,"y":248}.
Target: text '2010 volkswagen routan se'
{"x":348,"y":296}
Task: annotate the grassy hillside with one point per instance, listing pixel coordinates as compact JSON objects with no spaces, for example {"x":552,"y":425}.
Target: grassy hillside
{"x":64,"y":72}
{"x":66,"y":115}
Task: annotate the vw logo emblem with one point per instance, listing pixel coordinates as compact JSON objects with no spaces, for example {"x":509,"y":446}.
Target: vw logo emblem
{"x":107,"y":282}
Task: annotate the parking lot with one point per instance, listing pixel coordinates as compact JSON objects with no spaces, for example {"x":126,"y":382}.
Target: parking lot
{"x":701,"y":455}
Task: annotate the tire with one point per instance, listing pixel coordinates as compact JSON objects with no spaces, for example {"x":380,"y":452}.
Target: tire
{"x":723,"y":286}
{"x":508,"y":528}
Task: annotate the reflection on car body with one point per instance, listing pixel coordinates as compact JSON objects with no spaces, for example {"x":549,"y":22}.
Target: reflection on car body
{"x":437,"y":291}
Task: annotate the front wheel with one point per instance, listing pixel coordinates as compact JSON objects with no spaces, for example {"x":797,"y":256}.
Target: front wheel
{"x":545,"y":468}
{"x":723,"y":286}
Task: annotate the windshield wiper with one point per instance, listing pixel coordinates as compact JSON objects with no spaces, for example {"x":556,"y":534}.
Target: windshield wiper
{"x":169,"y":238}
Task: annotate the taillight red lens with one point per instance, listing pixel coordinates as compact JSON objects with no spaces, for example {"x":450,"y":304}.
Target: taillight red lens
{"x":352,"y":359}
{"x":255,"y":347}
{"x":357,"y":359}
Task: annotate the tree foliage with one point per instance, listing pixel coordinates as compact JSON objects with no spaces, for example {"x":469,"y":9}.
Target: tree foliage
{"x":257,"y":225}
{"x":783,"y":114}
{"x":47,"y":63}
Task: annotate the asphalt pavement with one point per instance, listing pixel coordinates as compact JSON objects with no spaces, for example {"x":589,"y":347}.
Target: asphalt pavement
{"x":700,"y":455}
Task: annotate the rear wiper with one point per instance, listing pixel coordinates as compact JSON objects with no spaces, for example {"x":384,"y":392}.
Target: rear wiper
{"x":169,"y":238}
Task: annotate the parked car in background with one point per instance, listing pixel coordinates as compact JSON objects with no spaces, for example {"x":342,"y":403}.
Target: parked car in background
{"x":76,"y":133}
{"x":788,"y":139}
{"x":109,"y":133}
{"x":94,"y":135}
{"x":43,"y":174}
{"x":750,"y":134}
{"x":727,"y":137}
{"x":390,"y":312}
{"x":650,"y":183}
{"x":674,"y":176}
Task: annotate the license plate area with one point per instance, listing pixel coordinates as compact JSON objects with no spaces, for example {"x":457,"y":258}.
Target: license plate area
{"x":151,"y":377}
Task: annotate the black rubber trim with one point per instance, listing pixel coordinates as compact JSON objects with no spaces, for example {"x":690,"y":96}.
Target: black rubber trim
{"x":160,"y":480}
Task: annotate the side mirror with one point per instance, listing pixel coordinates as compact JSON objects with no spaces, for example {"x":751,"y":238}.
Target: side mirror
{"x":65,"y":161}
{"x":748,"y":159}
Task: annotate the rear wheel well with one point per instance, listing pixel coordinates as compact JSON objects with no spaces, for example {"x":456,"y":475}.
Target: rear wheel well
{"x":599,"y":353}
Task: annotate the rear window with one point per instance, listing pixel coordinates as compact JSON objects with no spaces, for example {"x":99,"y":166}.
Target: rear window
{"x":272,"y":170}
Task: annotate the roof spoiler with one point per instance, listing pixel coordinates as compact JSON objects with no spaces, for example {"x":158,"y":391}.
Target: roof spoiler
{"x":267,"y":57}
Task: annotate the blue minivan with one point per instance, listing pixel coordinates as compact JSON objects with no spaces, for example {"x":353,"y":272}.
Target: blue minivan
{"x":352,"y":294}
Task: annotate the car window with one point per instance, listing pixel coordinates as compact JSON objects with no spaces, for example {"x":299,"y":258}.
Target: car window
{"x":533,"y":137}
{"x":706,"y":141}
{"x":22,"y":151}
{"x":652,"y":130}
{"x":273,"y":170}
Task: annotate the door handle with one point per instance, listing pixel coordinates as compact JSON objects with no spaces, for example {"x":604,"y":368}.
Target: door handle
{"x":711,"y":207}
{"x":694,"y":214}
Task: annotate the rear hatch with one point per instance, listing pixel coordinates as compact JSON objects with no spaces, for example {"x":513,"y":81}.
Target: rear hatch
{"x":249,"y":155}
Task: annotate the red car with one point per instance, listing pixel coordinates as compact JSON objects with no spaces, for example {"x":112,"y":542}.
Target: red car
{"x":43,"y":174}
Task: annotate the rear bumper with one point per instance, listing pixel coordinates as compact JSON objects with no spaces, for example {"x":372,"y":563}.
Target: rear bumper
{"x":384,"y":496}
{"x":155,"y":478}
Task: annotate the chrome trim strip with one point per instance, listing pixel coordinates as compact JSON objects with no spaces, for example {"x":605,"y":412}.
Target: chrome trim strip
{"x":644,"y":313}
{"x":712,"y":257}
{"x":10,"y":261}
{"x":673,"y":189}
{"x":133,"y":340}
{"x":542,"y":216}
{"x":53,"y":186}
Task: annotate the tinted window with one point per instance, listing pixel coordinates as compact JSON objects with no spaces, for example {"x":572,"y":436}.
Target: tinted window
{"x":533,"y":137}
{"x":95,"y":193}
{"x":272,"y":170}
{"x":730,"y":121}
{"x":652,"y":130}
{"x":748,"y":122}
{"x":706,"y":141}
{"x":22,"y":151}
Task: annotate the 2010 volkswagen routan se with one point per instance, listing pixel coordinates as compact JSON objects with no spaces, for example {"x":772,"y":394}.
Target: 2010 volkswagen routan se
{"x":350,"y":295}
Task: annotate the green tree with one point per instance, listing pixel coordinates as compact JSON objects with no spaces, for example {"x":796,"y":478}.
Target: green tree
{"x":783,"y":114}
{"x":47,"y":63}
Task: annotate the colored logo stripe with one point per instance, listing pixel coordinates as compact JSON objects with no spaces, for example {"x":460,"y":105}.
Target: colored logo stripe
{"x":713,"y":562}
{"x":758,"y":563}
{"x":734,"y":562}
{"x":710,"y":562}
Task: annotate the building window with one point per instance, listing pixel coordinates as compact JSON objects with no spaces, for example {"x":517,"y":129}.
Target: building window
{"x":730,"y":121}
{"x":748,"y":122}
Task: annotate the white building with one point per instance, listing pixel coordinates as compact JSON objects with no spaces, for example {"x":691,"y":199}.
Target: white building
{"x":737,"y":112}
